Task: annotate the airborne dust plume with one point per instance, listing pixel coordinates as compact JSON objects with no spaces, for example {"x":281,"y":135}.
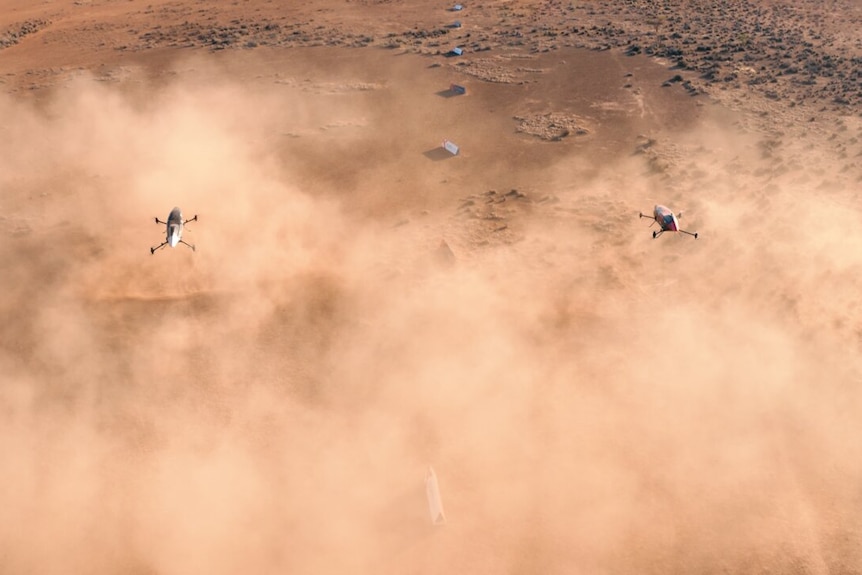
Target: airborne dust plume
{"x":591,"y":400}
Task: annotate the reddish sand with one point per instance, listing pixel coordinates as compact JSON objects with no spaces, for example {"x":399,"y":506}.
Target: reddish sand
{"x":361,"y":304}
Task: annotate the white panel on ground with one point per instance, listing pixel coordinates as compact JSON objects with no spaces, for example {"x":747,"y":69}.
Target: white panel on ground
{"x":435,"y":504}
{"x":450,"y":147}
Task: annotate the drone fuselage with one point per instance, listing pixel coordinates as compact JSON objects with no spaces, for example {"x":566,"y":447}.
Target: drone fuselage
{"x":174,"y":227}
{"x":665,"y":219}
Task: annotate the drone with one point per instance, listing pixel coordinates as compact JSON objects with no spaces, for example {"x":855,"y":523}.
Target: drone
{"x":174,"y":230}
{"x":667,"y":221}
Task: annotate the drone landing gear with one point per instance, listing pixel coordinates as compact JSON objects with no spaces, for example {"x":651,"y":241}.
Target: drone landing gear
{"x":656,"y":234}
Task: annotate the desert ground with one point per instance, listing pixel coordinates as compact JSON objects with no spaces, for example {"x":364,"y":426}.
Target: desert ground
{"x":362,"y":305}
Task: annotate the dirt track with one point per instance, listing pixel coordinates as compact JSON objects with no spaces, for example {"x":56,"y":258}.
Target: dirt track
{"x":591,"y":399}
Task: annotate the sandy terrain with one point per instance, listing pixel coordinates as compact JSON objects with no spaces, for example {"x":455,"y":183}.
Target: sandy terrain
{"x":362,"y":305}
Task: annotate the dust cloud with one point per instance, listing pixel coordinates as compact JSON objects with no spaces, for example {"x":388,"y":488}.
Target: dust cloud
{"x":592,"y":400}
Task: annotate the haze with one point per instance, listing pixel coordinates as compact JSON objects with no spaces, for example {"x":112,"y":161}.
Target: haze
{"x":361,"y":307}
